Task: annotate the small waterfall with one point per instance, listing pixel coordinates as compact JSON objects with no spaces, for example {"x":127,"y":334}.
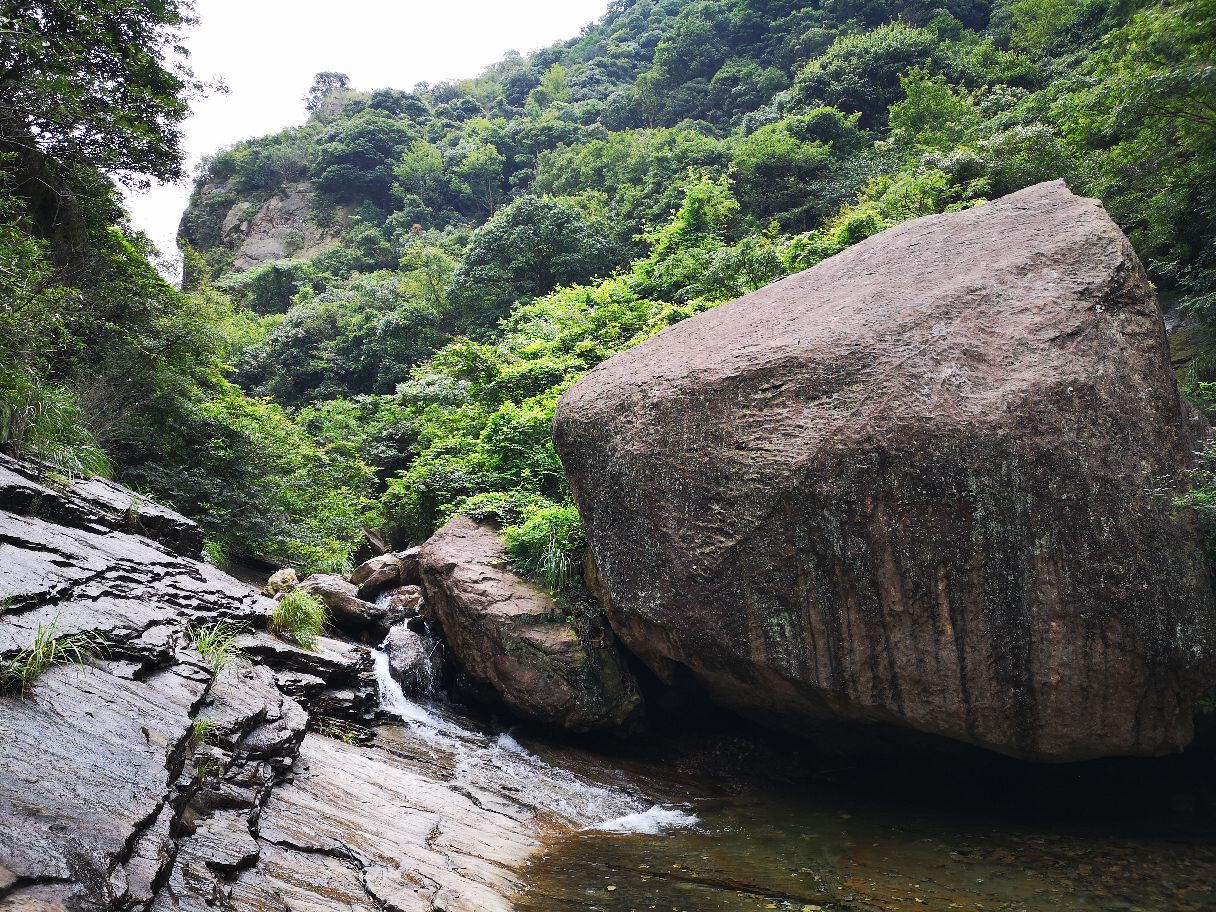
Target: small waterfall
{"x":501,"y":763}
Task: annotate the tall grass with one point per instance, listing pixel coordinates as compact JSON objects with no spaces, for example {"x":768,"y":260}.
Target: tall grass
{"x":216,"y":642}
{"x":549,"y":543}
{"x":202,"y":731}
{"x":299,"y":616}
{"x":48,"y":649}
{"x":43,"y":420}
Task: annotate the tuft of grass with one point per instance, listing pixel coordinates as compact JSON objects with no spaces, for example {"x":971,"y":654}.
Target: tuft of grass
{"x":47,"y":650}
{"x":202,"y":731}
{"x":216,"y":552}
{"x":215,"y":642}
{"x":135,"y":508}
{"x":299,"y":616}
{"x":206,"y":768}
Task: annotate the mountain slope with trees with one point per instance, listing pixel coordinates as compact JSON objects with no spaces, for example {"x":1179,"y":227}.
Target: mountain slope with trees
{"x":489,"y":240}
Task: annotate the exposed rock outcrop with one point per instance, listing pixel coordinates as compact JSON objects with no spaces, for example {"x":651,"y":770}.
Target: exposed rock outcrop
{"x":509,"y":634}
{"x":260,"y":230}
{"x":94,"y":504}
{"x":144,"y":780}
{"x":928,"y":482}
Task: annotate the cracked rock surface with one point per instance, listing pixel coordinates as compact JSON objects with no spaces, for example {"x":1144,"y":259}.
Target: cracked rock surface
{"x":144,"y":779}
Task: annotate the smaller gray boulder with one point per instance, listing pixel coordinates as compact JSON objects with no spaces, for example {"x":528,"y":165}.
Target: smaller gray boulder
{"x":374,"y":576}
{"x":347,"y":611}
{"x":416,"y":659}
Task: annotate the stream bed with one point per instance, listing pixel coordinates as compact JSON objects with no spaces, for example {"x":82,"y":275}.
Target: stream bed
{"x":719,"y":817}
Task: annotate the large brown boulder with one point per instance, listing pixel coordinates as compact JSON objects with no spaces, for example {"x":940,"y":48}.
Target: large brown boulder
{"x":509,"y":634}
{"x":928,"y":482}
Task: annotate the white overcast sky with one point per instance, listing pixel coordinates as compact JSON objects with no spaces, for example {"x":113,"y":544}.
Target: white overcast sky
{"x":267,"y":51}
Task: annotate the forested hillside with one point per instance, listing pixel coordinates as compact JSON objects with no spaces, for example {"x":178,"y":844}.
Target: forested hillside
{"x":382,"y":305}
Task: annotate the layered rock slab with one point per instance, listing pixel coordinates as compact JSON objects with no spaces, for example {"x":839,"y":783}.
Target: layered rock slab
{"x":507,"y":633}
{"x":144,"y":781}
{"x":928,"y":482}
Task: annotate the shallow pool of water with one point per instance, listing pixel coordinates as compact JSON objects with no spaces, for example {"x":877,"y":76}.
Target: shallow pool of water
{"x":781,"y":848}
{"x":721,"y":817}
{"x":781,"y":828}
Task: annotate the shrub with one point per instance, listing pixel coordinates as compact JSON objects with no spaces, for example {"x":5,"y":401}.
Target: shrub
{"x":300,"y":616}
{"x":549,"y":543}
{"x":43,"y":420}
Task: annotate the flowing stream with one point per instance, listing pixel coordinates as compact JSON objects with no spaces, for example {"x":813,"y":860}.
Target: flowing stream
{"x":732,"y":820}
{"x":501,"y":762}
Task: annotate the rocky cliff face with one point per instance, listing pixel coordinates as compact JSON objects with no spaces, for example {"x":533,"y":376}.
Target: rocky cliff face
{"x":262,"y":229}
{"x":927,"y":483}
{"x":145,"y":779}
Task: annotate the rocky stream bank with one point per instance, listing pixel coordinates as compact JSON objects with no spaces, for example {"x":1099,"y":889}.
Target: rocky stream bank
{"x":936,"y":513}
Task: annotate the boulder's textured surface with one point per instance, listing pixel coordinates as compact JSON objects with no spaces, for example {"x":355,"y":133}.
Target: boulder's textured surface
{"x":346,"y":610}
{"x":928,"y":482}
{"x":508,"y":634}
{"x":281,"y":581}
{"x":375,"y":575}
{"x":350,"y":613}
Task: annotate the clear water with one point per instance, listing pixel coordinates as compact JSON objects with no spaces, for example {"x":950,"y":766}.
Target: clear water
{"x":719,"y":823}
{"x":787,"y":849}
{"x":500,"y":763}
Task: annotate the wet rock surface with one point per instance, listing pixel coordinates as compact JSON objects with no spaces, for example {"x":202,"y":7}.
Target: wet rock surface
{"x":927,"y":483}
{"x":508,"y":634}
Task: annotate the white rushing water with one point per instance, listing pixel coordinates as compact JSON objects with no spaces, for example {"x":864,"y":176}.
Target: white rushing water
{"x":503,"y":764}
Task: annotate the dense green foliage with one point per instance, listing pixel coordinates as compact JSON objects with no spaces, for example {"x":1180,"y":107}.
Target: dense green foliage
{"x":493,"y":239}
{"x":104,"y":365}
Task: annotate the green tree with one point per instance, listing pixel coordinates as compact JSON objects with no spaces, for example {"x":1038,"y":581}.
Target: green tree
{"x":104,"y":83}
{"x":553,"y":89}
{"x":356,"y":158}
{"x":787,"y":170}
{"x":323,"y":85}
{"x":477,"y":173}
{"x":861,"y":72}
{"x":420,"y":173}
{"x":526,"y":250}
